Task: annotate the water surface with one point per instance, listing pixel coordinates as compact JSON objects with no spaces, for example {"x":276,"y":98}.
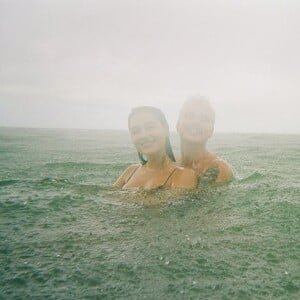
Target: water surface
{"x":65,"y":233}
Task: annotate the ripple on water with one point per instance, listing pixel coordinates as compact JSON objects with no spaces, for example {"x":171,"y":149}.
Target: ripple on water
{"x":66,"y":234}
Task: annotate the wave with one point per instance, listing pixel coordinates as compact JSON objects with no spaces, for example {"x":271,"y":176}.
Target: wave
{"x":44,"y":181}
{"x":91,"y":188}
{"x":80,"y":164}
{"x":252,"y":177}
{"x":9,"y":182}
{"x":70,"y":164}
{"x":49,"y":180}
{"x":89,"y":165}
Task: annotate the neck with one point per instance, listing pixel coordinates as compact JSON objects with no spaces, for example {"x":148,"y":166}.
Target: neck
{"x":157,"y":161}
{"x":192,"y":153}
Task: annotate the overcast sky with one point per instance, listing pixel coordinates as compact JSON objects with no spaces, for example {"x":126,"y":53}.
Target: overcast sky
{"x":85,"y":64}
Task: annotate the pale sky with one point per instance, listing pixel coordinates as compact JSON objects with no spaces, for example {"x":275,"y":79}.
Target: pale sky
{"x":85,"y":64}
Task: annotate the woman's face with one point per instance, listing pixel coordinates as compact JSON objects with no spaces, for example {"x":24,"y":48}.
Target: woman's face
{"x":147,"y":133}
{"x":196,"y":123}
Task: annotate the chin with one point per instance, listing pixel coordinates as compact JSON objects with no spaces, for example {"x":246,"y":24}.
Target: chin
{"x":149,"y":151}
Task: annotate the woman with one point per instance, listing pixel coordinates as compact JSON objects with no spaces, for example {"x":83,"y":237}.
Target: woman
{"x":149,"y":133}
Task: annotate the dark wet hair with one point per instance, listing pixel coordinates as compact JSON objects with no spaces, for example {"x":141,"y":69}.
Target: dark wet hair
{"x":159,"y":115}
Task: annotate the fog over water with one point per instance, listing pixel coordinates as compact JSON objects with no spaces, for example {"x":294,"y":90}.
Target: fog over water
{"x":85,"y":64}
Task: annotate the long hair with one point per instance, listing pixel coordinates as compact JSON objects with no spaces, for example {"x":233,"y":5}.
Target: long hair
{"x":159,"y":115}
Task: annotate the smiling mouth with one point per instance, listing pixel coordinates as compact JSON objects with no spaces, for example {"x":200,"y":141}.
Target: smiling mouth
{"x":146,"y":144}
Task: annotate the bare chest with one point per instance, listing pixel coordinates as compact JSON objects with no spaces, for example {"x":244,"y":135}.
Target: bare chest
{"x":148,"y":179}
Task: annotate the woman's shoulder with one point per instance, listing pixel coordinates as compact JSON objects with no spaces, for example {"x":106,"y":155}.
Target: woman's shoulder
{"x":132,"y":167}
{"x":130,"y":170}
{"x":125,"y":176}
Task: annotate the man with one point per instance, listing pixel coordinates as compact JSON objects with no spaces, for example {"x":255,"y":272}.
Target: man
{"x":195,"y":126}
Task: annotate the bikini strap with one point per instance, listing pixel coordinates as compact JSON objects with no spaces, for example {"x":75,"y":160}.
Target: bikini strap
{"x":170,"y":175}
{"x":135,"y":169}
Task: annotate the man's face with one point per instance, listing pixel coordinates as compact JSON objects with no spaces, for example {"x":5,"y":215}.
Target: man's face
{"x":196,"y":122}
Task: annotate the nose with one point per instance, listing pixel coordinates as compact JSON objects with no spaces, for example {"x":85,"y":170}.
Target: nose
{"x":142,"y":133}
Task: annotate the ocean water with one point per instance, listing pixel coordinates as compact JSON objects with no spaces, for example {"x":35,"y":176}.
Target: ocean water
{"x":65,"y":233}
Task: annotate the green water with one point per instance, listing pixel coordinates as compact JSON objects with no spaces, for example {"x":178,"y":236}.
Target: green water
{"x":66,"y":234}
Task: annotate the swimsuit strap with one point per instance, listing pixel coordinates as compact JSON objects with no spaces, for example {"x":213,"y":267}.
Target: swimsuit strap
{"x":132,"y":173}
{"x":170,"y":175}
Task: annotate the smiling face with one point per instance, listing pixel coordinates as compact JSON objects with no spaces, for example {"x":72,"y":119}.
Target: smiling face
{"x":196,"y":121}
{"x":148,"y":134}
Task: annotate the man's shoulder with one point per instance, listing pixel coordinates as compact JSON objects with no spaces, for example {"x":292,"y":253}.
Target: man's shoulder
{"x":218,"y":161}
{"x":184,"y":177}
{"x":224,"y":168}
{"x":184,"y":171}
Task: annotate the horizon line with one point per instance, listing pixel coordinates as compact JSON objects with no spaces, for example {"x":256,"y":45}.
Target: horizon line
{"x":171,"y":131}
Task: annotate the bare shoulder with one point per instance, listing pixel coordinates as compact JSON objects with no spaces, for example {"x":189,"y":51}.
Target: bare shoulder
{"x":225,"y":170}
{"x":132,"y":167}
{"x":125,"y":175}
{"x":184,"y":178}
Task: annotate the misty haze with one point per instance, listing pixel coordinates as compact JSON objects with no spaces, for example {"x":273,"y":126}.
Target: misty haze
{"x":187,"y":199}
{"x":85,"y":64}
